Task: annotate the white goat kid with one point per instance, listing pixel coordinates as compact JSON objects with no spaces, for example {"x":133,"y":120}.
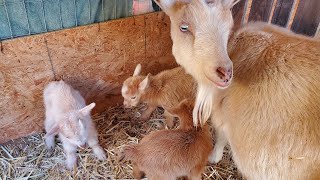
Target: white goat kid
{"x":68,"y":116}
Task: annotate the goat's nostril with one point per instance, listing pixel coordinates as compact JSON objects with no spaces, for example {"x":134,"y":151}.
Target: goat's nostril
{"x":230,"y":73}
{"x":221,"y":73}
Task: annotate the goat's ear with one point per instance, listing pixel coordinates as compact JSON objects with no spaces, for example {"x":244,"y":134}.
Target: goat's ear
{"x":86,"y":110}
{"x":137,"y":70}
{"x":53,"y":131}
{"x":228,"y":4}
{"x":145,"y":83}
{"x":170,"y":6}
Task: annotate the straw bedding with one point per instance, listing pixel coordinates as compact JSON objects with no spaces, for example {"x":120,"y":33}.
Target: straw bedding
{"x":27,"y":158}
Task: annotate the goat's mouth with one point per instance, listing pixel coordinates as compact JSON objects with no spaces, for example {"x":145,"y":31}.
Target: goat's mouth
{"x":218,"y":83}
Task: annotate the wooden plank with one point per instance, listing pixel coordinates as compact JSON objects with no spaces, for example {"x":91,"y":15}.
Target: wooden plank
{"x":307,"y":17}
{"x":292,"y":13}
{"x":260,"y":10}
{"x":158,"y":44}
{"x":247,"y":11}
{"x":238,"y":13}
{"x":282,"y":12}
{"x":273,"y":7}
{"x":94,"y":59}
{"x":317,"y":35}
{"x":24,"y":71}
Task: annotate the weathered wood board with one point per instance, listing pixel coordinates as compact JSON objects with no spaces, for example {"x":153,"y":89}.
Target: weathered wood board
{"x":94,"y":59}
{"x":282,"y":12}
{"x":307,"y":17}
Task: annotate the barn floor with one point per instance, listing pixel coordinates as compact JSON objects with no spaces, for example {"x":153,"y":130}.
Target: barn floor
{"x":26,"y":158}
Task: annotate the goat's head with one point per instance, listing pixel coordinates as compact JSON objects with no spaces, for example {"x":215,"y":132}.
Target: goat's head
{"x":72,"y":126}
{"x":134,"y":87}
{"x":200,"y":31}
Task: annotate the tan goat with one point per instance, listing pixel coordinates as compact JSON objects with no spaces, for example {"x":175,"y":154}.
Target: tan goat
{"x":169,"y":154}
{"x":165,"y":89}
{"x":270,"y":114}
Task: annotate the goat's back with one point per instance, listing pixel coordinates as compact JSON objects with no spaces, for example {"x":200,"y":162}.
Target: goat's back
{"x":173,"y":152}
{"x":272,"y":110}
{"x":176,"y":86}
{"x":60,"y":97}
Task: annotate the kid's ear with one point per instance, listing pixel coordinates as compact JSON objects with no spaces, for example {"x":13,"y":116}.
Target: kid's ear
{"x":86,"y":110}
{"x":145,"y":83}
{"x":137,"y":70}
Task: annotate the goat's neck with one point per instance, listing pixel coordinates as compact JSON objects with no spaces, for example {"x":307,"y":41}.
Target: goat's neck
{"x":152,"y":93}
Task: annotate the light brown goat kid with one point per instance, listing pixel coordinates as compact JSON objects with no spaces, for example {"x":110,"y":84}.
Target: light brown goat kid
{"x":270,"y":113}
{"x":165,"y":89}
{"x":169,"y":154}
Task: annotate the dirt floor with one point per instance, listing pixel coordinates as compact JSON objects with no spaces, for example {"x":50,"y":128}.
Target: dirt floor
{"x":26,"y":158}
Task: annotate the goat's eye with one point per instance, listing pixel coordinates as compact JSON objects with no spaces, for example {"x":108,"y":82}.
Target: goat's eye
{"x":133,"y":97}
{"x":184,"y":27}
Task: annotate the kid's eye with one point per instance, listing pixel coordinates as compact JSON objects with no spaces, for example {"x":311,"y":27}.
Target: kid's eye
{"x":133,"y":97}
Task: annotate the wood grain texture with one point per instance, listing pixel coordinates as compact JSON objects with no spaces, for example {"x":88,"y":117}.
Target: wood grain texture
{"x":273,"y":7}
{"x":282,"y":12}
{"x":307,"y":17}
{"x":238,"y":13}
{"x":24,"y":71}
{"x":94,"y":59}
{"x":247,"y":10}
{"x":260,"y":10}
{"x":293,"y":12}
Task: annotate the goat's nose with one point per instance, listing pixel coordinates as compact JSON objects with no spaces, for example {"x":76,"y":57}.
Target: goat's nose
{"x":224,"y":74}
{"x":125,"y":104}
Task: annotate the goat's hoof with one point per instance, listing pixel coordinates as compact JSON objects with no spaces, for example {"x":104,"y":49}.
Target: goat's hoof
{"x":49,"y":152}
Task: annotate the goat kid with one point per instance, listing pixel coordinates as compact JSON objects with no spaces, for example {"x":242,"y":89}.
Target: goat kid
{"x":165,"y":89}
{"x":169,"y":154}
{"x":68,"y":116}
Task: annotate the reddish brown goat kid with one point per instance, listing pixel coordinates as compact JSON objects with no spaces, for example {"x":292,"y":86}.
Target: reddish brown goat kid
{"x":169,"y":154}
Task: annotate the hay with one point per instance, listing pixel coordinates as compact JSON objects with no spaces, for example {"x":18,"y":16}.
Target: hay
{"x":26,"y":158}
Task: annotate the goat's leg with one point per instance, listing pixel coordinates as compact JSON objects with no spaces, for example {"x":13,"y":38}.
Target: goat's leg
{"x":169,"y":119}
{"x":195,"y":173}
{"x":94,"y":143}
{"x":137,"y":174}
{"x":217,"y":153}
{"x":71,"y":155}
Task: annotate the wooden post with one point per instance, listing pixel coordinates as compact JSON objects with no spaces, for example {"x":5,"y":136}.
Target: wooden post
{"x":247,"y":10}
{"x":274,"y":4}
{"x":292,"y":13}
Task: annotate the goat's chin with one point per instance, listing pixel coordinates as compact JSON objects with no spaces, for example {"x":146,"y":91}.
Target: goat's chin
{"x":203,"y":105}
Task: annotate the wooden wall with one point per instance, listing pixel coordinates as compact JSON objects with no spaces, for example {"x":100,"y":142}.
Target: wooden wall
{"x":301,"y":16}
{"x":95,"y":59}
